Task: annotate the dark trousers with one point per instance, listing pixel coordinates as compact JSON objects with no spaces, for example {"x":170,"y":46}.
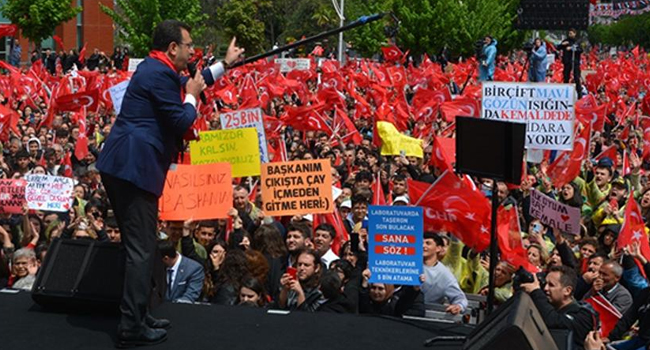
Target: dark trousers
{"x":136,"y":212}
{"x":576,"y":76}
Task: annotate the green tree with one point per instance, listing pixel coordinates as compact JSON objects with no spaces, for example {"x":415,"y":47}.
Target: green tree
{"x":37,"y":19}
{"x":630,"y":30}
{"x":367,"y":39}
{"x":429,"y":25}
{"x":244,"y":19}
{"x":137,"y":19}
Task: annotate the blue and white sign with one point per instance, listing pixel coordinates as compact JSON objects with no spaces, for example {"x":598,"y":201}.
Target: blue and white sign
{"x":395,"y":244}
{"x":117,"y":95}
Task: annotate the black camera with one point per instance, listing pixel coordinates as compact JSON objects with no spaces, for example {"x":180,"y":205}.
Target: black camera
{"x":528,"y":48}
{"x":478,"y":49}
{"x":523,"y":276}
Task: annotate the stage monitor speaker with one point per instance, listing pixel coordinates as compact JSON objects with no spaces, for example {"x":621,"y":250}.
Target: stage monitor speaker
{"x":490,"y":148}
{"x":553,"y":14}
{"x":82,"y":275}
{"x":515,"y":325}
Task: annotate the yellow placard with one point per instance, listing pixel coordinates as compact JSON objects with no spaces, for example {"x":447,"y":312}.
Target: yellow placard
{"x":239,"y":147}
{"x":394,"y":142}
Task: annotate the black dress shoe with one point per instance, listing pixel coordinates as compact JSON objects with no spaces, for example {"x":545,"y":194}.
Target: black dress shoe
{"x":152,"y":322}
{"x":142,"y":337}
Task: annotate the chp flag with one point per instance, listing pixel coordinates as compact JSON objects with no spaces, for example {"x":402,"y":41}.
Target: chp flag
{"x":548,"y":110}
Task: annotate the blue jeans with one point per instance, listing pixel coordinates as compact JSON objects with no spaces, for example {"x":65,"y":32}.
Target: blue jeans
{"x":635,"y":343}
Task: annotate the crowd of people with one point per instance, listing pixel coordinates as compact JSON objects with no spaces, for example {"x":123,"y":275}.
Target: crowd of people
{"x":330,"y":111}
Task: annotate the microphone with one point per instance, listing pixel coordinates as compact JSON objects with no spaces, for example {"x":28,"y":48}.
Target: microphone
{"x":191,"y":67}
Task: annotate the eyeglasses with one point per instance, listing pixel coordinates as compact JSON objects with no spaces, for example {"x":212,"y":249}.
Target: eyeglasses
{"x":189,"y":45}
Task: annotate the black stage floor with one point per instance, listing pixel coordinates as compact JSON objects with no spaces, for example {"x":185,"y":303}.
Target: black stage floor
{"x":26,"y":325}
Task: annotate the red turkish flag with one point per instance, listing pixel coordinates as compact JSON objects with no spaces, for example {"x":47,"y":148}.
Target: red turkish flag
{"x":645,"y":126}
{"x":633,"y":230}
{"x":566,"y":166}
{"x":626,"y":164}
{"x":451,"y":205}
{"x":509,"y":237}
{"x":378,"y":197}
{"x":81,"y":146}
{"x":645,"y":104}
{"x":248,"y":90}
{"x":610,"y":152}
{"x":74,"y":102}
{"x":425,"y":97}
{"x":443,"y":153}
{"x":462,"y":106}
{"x":306,"y":118}
{"x":392,"y":54}
{"x":59,"y":42}
{"x":588,"y":111}
{"x":352,"y":134}
{"x":8,"y":121}
{"x":607,"y":313}
{"x":66,"y":163}
{"x":8,"y":30}
{"x":82,"y":53}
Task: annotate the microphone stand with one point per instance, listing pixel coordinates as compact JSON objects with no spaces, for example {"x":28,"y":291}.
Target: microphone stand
{"x":363,"y":20}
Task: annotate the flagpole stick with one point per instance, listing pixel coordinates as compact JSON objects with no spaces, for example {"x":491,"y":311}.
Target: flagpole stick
{"x":493,"y":248}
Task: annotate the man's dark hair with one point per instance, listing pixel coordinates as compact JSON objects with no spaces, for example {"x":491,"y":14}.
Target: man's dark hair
{"x":62,"y":133}
{"x":435,"y":237}
{"x":49,"y":153}
{"x":111,"y":222}
{"x":568,"y":276}
{"x":589,"y":241}
{"x":326,"y":227}
{"x":167,"y":249}
{"x":208,"y":223}
{"x":300,"y":227}
{"x":359,"y":199}
{"x":330,"y":284}
{"x":167,"y":32}
{"x":343,"y":266}
{"x":597,"y":255}
{"x":399,"y":177}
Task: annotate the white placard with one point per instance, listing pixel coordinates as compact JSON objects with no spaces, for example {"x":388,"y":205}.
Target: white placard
{"x":547,"y":109}
{"x":49,"y":193}
{"x":289,"y":64}
{"x":117,"y":95}
{"x":248,"y":118}
{"x":553,"y":213}
{"x":133,"y":63}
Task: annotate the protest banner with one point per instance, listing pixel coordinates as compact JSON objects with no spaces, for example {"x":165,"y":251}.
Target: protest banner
{"x":239,"y":147}
{"x":395,"y":244}
{"x":289,"y":64}
{"x":553,"y":213}
{"x":12,"y":196}
{"x":248,"y":118}
{"x":547,"y":109}
{"x":50,"y":193}
{"x":117,"y":95}
{"x":133,"y":63}
{"x":301,"y":187}
{"x":197,"y":192}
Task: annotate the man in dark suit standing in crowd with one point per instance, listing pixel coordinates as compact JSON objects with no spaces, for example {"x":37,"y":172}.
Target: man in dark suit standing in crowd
{"x":136,"y":156}
{"x":184,"y":276}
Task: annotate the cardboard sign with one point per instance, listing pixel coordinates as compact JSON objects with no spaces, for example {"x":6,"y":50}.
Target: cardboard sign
{"x":289,"y":64}
{"x":133,"y":63}
{"x":117,"y":95}
{"x":553,"y":213}
{"x":197,"y":192}
{"x":50,"y":193}
{"x":248,"y":118}
{"x":12,"y":196}
{"x":301,"y":187}
{"x":547,"y":109}
{"x":395,"y":244}
{"x":239,"y":147}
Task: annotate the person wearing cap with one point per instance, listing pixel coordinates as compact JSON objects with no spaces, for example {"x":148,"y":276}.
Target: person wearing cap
{"x":34,"y":145}
{"x":400,"y":201}
{"x":345,"y":208}
{"x":599,"y":187}
{"x":612,"y":208}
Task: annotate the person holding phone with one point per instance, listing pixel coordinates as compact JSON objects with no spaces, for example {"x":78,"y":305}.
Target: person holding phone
{"x":612,"y":210}
{"x":300,"y":286}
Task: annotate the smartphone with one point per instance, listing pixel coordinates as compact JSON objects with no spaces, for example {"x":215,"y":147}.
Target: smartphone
{"x":614,"y":203}
{"x":354,"y":242}
{"x":292,"y":272}
{"x":402,"y":153}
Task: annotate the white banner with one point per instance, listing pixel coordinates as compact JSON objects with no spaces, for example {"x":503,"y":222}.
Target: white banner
{"x":117,"y":95}
{"x":133,"y":63}
{"x":248,"y":118}
{"x":50,"y":193}
{"x":553,"y":213}
{"x":547,"y":109}
{"x":289,"y":64}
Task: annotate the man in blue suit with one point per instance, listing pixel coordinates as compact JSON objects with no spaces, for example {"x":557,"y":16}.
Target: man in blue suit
{"x":184,"y":276}
{"x":144,"y":141}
